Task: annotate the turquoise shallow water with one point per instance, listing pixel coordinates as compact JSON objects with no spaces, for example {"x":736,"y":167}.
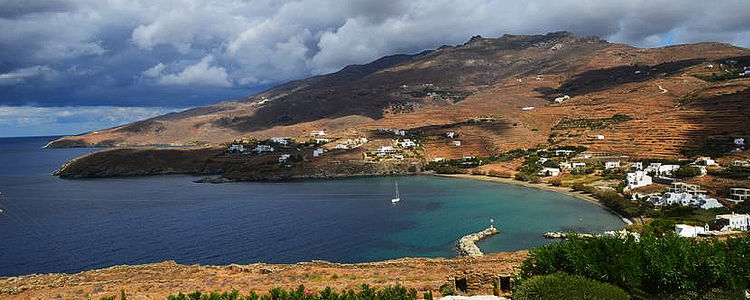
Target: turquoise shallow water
{"x":54,"y":225}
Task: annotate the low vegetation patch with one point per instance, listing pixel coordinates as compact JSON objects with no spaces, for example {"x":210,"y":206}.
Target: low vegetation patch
{"x":564,"y":286}
{"x":365,"y":292}
{"x":567,"y":123}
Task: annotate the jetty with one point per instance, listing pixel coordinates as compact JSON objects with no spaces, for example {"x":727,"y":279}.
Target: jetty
{"x":467,"y":245}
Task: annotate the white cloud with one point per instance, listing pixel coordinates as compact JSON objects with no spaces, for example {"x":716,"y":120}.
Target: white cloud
{"x":200,"y":73}
{"x":254,"y":42}
{"x":20,"y":75}
{"x":154,"y":71}
{"x":30,"y":120}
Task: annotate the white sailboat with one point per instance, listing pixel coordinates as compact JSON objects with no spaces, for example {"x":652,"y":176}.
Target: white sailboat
{"x":396,"y":198}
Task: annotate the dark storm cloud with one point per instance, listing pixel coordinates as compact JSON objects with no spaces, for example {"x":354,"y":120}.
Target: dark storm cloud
{"x":10,"y":9}
{"x":179,"y":53}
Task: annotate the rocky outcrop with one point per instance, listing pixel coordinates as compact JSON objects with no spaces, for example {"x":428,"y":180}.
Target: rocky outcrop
{"x":467,"y":245}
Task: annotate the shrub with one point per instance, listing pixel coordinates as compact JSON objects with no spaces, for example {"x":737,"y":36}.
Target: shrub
{"x":686,"y":172}
{"x":664,"y":267}
{"x":365,"y":292}
{"x":447,"y":290}
{"x":564,"y":286}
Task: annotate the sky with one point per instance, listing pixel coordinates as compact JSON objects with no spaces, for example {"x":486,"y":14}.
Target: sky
{"x":71,"y":66}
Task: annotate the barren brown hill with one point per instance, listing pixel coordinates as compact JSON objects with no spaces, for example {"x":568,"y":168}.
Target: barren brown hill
{"x":676,"y":99}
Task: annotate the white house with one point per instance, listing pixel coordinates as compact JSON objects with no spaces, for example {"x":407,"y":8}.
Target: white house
{"x":398,"y":156}
{"x":705,"y":161}
{"x":561,"y":99}
{"x":563,"y":152}
{"x":236,"y":148}
{"x":263,"y":148}
{"x":321,"y":141}
{"x":342,"y":146}
{"x":527,"y":108}
{"x":549,"y":172}
{"x":407,"y":143}
{"x":612,"y":164}
{"x":543,"y":160}
{"x":565,"y":165}
{"x":284,"y":158}
{"x":386,"y":150}
{"x":279,"y":140}
{"x":457,"y":143}
{"x":318,"y":152}
{"x":637,"y":165}
{"x":660,"y":169}
{"x":318,"y":133}
{"x":438,"y":159}
{"x":685,"y":199}
{"x":599,"y":137}
{"x":577,"y":165}
{"x":450,"y":134}
{"x":637,"y":179}
{"x":738,"y":195}
{"x":688,"y":231}
{"x":739,"y":142}
{"x":733,"y":221}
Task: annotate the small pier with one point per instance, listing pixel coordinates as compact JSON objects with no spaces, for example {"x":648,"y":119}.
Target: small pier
{"x":467,"y":245}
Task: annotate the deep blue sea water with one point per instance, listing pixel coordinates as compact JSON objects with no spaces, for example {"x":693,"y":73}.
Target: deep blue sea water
{"x":57,"y":225}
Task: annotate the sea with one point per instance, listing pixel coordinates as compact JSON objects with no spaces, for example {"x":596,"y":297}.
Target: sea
{"x":50,"y":224}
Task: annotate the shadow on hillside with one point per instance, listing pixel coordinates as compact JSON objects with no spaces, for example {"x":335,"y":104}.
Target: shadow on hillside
{"x":716,"y":122}
{"x":602,"y":79}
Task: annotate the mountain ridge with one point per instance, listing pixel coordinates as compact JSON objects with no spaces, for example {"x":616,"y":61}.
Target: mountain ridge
{"x":484,"y":76}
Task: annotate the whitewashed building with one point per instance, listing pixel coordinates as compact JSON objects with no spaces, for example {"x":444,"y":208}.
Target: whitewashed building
{"x":321,"y":141}
{"x":561,"y":99}
{"x":565,"y":165}
{"x":457,"y":143}
{"x":385,"y":150}
{"x":578,"y":165}
{"x":738,"y":195}
{"x":733,"y":222}
{"x":407,"y":143}
{"x":236,"y":148}
{"x":563,"y":152}
{"x":318,"y":152}
{"x":637,"y":179}
{"x":263,"y":148}
{"x":689,"y":231}
{"x":739,"y":142}
{"x":342,"y":146}
{"x":450,"y":134}
{"x":549,"y":172}
{"x":662,"y":170}
{"x":318,"y":133}
{"x":612,"y":164}
{"x":284,"y":158}
{"x":280,"y":140}
{"x":637,"y":165}
{"x":705,"y":161}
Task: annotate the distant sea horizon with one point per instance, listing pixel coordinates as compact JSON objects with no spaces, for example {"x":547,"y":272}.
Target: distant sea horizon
{"x":59,"y":225}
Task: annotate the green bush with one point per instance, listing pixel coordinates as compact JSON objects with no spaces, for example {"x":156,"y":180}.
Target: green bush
{"x":365,"y":292}
{"x":447,"y":290}
{"x":663,"y":267}
{"x":564,"y":286}
{"x":686,"y":172}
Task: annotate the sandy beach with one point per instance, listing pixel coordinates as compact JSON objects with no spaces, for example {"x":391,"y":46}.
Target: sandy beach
{"x":541,"y":186}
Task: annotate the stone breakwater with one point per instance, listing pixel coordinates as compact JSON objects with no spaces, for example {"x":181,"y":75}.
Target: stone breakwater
{"x":467,"y":245}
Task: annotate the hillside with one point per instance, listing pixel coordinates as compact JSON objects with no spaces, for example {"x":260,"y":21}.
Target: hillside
{"x":674,"y":106}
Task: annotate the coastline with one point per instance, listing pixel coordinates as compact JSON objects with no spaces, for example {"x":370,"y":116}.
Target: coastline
{"x":540,"y":186}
